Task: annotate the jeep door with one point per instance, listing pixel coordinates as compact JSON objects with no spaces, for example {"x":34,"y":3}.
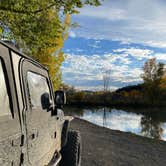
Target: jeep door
{"x":10,"y":123}
{"x":41,"y":136}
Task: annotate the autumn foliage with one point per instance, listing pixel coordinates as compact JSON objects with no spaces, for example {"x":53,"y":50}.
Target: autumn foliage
{"x":39,"y":28}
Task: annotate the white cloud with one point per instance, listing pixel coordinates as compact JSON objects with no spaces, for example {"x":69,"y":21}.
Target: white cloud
{"x":79,"y":50}
{"x":96,"y":88}
{"x":136,"y":52}
{"x":104,"y":12}
{"x":137,"y":21}
{"x":94,"y":45}
{"x":160,"y":44}
{"x":72,"y":34}
{"x":160,"y":56}
{"x":128,"y":75}
{"x":85,"y":71}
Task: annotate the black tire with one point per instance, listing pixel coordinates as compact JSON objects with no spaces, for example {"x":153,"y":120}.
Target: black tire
{"x":71,"y":152}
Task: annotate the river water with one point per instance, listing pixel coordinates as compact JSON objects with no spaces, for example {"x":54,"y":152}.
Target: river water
{"x":152,"y":125}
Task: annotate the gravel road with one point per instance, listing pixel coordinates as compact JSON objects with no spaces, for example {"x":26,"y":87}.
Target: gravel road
{"x":105,"y":147}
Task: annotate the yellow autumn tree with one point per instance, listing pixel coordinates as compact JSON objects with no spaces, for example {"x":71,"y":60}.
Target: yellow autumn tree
{"x":52,"y":56}
{"x":39,"y":29}
{"x":163,"y":83}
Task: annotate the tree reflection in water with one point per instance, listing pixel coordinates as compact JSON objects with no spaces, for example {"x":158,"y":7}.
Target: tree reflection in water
{"x":104,"y":117}
{"x":151,"y":127}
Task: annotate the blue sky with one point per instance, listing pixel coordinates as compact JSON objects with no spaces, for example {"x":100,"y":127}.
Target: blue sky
{"x":118,"y":36}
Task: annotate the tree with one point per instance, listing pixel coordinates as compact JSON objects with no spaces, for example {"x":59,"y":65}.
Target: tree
{"x":152,"y":76}
{"x":39,"y":28}
{"x":106,"y":80}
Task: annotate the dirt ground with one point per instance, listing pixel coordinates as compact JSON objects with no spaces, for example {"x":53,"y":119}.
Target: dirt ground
{"x":105,"y":147}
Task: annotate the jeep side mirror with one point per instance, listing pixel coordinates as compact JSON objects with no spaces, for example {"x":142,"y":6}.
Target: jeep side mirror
{"x":60,"y":98}
{"x":45,"y":101}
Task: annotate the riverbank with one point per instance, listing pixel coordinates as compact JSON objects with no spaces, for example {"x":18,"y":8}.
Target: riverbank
{"x":134,"y":109}
{"x":147,"y":108}
{"x":105,"y":147}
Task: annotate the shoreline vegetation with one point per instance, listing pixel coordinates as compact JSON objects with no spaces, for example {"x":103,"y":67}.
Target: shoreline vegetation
{"x":130,"y":96}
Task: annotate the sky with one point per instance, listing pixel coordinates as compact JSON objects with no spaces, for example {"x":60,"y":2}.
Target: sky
{"x":119,"y":36}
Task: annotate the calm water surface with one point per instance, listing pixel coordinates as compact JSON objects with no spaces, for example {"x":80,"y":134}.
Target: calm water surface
{"x":151,"y":125}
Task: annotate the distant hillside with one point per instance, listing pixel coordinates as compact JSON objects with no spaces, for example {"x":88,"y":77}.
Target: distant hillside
{"x":87,"y":91}
{"x":138,"y":87}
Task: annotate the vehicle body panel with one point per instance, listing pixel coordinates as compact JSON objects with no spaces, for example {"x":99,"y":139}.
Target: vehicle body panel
{"x":27,"y":136}
{"x":10,"y":125}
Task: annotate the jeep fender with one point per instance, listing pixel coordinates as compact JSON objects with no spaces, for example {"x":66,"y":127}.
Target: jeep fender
{"x":65,"y":129}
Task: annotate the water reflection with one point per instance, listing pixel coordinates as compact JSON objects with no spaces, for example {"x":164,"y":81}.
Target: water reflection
{"x":151,"y":125}
{"x":104,"y":117}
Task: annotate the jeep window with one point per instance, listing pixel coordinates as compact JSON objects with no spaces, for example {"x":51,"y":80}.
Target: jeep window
{"x":37,"y":86}
{"x":4,"y":98}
